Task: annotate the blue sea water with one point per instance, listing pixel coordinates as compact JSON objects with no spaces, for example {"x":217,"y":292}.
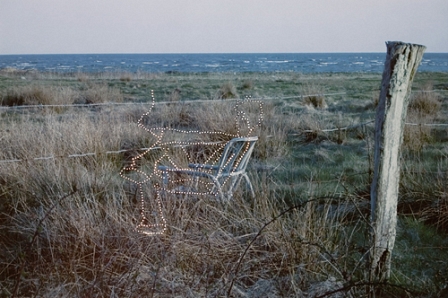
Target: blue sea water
{"x":300,"y":62}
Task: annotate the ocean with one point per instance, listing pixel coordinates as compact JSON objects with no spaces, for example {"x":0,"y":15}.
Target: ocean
{"x":200,"y":63}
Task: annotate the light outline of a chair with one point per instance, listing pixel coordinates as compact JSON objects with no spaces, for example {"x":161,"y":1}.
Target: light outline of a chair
{"x":231,"y":166}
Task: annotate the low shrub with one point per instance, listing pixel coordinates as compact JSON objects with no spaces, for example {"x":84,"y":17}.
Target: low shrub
{"x":228,"y":90}
{"x":425,"y":102}
{"x":126,"y":77}
{"x":374,"y":101}
{"x":82,"y":77}
{"x":248,"y":84}
{"x":437,"y":214}
{"x":317,"y":101}
{"x":312,"y":95}
{"x":175,"y":95}
{"x":28,"y":95}
{"x":423,"y":109}
{"x":99,"y":93}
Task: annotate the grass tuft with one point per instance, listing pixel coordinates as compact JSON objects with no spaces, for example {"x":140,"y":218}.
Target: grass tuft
{"x":227,"y":90}
{"x":28,"y":95}
{"x":423,"y":110}
{"x":126,"y":77}
{"x":313,"y":96}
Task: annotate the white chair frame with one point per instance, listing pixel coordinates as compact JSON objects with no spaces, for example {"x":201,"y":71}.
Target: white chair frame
{"x":230,"y":168}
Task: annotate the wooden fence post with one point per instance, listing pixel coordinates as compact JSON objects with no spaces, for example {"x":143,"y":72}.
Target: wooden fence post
{"x":401,"y":64}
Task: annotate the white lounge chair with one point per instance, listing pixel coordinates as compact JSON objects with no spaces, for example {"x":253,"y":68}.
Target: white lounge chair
{"x":221,"y":179}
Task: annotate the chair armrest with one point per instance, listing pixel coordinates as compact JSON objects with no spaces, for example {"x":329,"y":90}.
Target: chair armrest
{"x":165,"y":170}
{"x":202,"y":166}
{"x":192,"y":166}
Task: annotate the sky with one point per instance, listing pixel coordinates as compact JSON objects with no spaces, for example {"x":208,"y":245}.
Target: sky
{"x":219,"y":26}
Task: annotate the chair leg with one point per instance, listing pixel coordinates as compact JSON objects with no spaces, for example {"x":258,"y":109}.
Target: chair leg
{"x":235,"y":183}
{"x":249,"y":184}
{"x":221,"y":194}
{"x":219,"y":188}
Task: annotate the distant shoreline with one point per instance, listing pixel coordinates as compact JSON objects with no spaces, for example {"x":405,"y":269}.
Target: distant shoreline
{"x":110,"y":74}
{"x":205,"y":63}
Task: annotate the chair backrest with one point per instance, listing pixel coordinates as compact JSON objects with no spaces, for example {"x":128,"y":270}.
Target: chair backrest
{"x":236,"y":155}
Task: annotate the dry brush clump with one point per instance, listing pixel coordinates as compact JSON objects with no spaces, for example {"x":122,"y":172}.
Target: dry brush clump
{"x":426,"y":182}
{"x":86,"y":247}
{"x":40,"y":94}
{"x":69,"y":222}
{"x":27,"y":95}
{"x":311,"y":126}
{"x":56,"y":210}
{"x":126,"y":77}
{"x":226,"y":91}
{"x":175,"y":95}
{"x":313,"y":96}
{"x":99,"y":93}
{"x":423,"y":109}
{"x":248,"y":84}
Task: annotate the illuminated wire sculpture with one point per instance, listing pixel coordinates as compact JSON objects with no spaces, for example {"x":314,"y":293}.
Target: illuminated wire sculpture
{"x":170,"y":150}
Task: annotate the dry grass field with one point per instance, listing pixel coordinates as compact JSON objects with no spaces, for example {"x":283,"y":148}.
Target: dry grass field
{"x":68,"y":219}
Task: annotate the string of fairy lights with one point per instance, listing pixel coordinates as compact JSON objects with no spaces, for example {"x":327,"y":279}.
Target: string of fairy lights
{"x":169,"y":152}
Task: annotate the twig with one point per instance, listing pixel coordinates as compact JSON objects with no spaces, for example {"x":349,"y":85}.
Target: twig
{"x":351,"y":285}
{"x":261,"y":230}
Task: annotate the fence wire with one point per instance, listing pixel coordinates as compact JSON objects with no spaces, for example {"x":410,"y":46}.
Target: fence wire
{"x":182,"y":101}
{"x":158,"y":102}
{"x":43,"y":158}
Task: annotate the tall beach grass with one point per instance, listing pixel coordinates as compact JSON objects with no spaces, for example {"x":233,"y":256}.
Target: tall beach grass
{"x":68,"y":220}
